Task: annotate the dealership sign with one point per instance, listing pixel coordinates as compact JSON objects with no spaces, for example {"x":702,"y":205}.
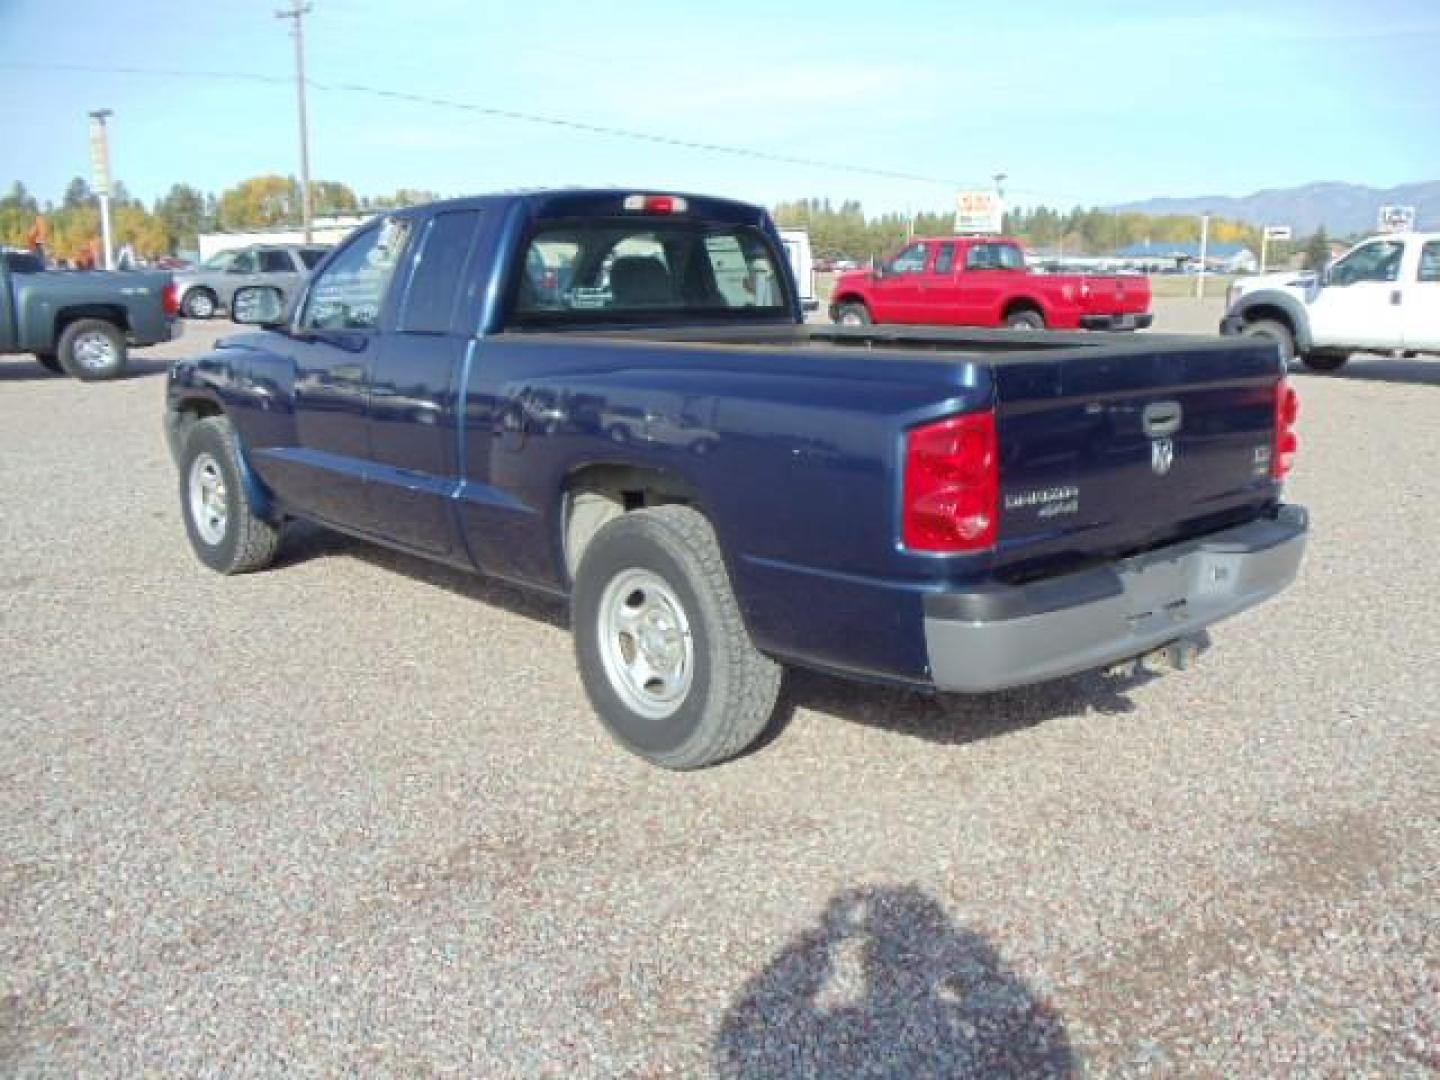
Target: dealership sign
{"x":1397,"y":218}
{"x":99,"y":158}
{"x":979,"y":212}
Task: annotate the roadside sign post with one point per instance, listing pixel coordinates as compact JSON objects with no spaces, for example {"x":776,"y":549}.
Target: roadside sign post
{"x":100,"y":179}
{"x":1204,"y":244}
{"x":1397,"y":219}
{"x":979,"y":212}
{"x":1271,"y":232}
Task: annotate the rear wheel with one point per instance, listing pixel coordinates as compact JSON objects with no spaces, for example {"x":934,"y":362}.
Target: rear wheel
{"x":1025,"y":319}
{"x":50,"y":362}
{"x":1275,"y":331}
{"x":663,"y":652}
{"x":92,"y":349}
{"x":853,"y":313}
{"x":1325,"y":361}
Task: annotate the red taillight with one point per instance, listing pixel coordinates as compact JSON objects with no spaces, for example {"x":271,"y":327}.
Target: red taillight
{"x":952,"y":485}
{"x":656,"y":204}
{"x":171,"y":299}
{"x":1287,"y":411}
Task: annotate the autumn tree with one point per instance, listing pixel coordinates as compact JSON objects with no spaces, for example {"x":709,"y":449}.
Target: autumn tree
{"x":261,"y":202}
{"x":185,"y":213}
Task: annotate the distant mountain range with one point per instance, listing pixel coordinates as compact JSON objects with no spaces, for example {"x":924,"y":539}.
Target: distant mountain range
{"x":1343,"y":209}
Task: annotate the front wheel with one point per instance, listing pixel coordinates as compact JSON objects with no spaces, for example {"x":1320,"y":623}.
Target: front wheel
{"x":1325,"y":361}
{"x":1274,"y":331}
{"x":853,"y":314}
{"x":224,"y":531}
{"x":92,"y":349}
{"x":662,"y":649}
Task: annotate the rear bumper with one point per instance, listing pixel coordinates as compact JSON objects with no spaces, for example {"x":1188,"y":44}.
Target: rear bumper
{"x":1016,"y":635}
{"x":1141,"y":321}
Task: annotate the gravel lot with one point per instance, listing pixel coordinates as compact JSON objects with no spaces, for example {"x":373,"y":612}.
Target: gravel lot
{"x":353,"y":815}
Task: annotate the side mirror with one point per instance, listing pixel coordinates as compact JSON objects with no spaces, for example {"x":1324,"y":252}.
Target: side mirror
{"x":257,"y":305}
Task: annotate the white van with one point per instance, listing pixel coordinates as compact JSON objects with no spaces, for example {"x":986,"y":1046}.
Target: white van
{"x":797,"y":250}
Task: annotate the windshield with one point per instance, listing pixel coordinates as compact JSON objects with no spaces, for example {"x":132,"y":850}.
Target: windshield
{"x":648,"y":270}
{"x":220,"y":261}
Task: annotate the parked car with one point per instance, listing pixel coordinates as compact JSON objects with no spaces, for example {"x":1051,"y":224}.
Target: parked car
{"x":956,"y":511}
{"x":1383,"y":295}
{"x":983,"y":281}
{"x":81,"y":324}
{"x":207,"y":290}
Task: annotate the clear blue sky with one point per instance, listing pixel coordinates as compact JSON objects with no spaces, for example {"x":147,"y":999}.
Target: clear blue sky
{"x":1078,"y":101}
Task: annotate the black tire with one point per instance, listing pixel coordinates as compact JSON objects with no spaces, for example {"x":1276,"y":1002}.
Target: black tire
{"x":1325,"y":361}
{"x":853,"y":313}
{"x":50,"y":362}
{"x":199,"y":303}
{"x":244,"y":542}
{"x":732,"y":687}
{"x":1025,"y":319}
{"x":92,"y":350}
{"x":1277,"y":332}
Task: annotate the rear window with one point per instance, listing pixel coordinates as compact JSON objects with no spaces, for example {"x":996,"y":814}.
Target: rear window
{"x":22,"y":262}
{"x":645,"y":269}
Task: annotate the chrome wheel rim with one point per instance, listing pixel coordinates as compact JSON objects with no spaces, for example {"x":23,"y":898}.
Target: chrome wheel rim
{"x":208,"y":507}
{"x":201,"y":306}
{"x":645,"y":644}
{"x":849,"y":318}
{"x":94,"y":351}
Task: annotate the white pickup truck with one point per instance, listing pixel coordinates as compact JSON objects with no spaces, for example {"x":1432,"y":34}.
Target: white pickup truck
{"x":1383,"y":295}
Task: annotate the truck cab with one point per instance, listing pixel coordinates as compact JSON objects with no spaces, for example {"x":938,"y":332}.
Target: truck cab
{"x":1383,"y":295}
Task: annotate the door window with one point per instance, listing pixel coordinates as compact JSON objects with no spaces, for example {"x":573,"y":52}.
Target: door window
{"x":912,"y":260}
{"x":1379,"y":261}
{"x":311,"y":256}
{"x":276,"y":262}
{"x":245,"y":262}
{"x":1429,"y":262}
{"x":995,"y":257}
{"x":348,"y":293}
{"x":435,"y":282}
{"x":945,"y":260}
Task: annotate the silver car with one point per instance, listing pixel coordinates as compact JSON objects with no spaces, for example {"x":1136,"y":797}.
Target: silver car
{"x":208,"y":288}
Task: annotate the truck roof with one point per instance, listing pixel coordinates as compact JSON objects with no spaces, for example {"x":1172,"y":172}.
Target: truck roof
{"x":596,"y":202}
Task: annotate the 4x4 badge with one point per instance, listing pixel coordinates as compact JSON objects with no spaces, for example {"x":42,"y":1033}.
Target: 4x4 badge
{"x":1162,"y":455}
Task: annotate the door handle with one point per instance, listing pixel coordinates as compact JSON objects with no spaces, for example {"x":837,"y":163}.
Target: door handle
{"x":1396,"y":296}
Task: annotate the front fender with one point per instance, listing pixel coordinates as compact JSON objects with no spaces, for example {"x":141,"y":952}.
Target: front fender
{"x":1251,"y":303}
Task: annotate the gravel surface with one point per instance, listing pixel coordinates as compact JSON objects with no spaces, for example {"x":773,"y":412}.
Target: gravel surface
{"x":354,"y":816}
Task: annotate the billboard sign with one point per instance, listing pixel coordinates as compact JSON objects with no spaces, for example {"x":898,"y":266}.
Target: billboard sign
{"x":1397,"y":218}
{"x":979,"y":212}
{"x":99,"y":158}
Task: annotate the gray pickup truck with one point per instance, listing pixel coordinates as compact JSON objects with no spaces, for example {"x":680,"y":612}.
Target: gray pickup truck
{"x":82,"y":324}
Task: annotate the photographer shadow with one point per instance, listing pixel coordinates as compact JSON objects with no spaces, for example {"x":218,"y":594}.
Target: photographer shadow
{"x":888,"y":986}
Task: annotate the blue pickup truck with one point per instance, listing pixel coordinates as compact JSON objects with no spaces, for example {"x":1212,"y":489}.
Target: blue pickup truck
{"x":613,"y":397}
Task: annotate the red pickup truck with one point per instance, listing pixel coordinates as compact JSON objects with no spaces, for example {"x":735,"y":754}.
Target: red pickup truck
{"x":983,"y":281}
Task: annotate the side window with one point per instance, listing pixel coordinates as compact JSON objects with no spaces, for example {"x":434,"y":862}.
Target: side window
{"x":312,"y":256}
{"x":1379,"y":261}
{"x":1430,"y":262}
{"x":276,"y":262}
{"x":244,"y":262}
{"x":995,"y":257}
{"x":435,"y":281}
{"x":348,"y":294}
{"x":911,"y":261}
{"x":945,"y":261}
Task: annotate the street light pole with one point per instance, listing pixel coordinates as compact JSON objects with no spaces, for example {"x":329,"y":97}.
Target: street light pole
{"x":100,"y":176}
{"x":297,"y":11}
{"x":1204,"y":244}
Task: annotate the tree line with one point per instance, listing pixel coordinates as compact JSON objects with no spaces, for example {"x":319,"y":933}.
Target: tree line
{"x":844,"y":231}
{"x":174,"y":221}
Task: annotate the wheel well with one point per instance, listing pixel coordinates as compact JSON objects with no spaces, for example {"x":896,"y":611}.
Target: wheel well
{"x":111,"y":313}
{"x":598,"y":494}
{"x":198,"y":288}
{"x":185,"y":415}
{"x":848,"y":298}
{"x":1022,"y":303}
{"x":1269,"y":311}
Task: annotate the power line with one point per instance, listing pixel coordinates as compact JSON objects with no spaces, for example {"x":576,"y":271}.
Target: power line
{"x":516,"y":116}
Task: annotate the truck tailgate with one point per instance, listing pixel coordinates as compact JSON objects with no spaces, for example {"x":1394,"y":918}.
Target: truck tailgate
{"x":1120,"y":294}
{"x":1113,"y":453}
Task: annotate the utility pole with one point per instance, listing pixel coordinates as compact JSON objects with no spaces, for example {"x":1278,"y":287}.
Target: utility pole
{"x":100,"y":178}
{"x":298,"y":10}
{"x":1204,"y":243}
